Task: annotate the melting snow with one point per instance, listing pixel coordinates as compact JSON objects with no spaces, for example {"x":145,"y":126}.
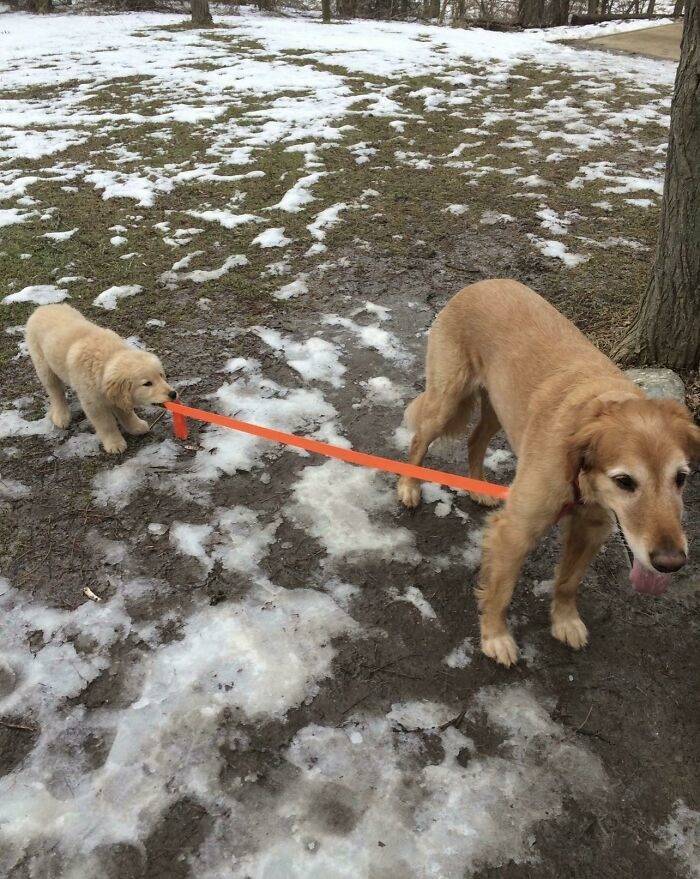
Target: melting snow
{"x":342,"y":507}
{"x":314,"y":359}
{"x":108,"y":298}
{"x":40,"y":294}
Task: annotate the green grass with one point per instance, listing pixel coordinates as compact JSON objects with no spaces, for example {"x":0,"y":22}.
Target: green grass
{"x":598,"y":294}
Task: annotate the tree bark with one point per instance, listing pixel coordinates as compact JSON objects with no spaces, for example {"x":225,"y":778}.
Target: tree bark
{"x":531,"y":13}
{"x":201,"y":17}
{"x":44,"y":6}
{"x":559,"y":12}
{"x":326,"y":10}
{"x":666,"y":329}
{"x":678,"y":8}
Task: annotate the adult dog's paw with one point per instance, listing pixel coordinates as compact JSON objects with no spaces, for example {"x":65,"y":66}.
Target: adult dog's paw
{"x":486,"y":500}
{"x":571,"y":631}
{"x":409,"y":492}
{"x":502,"y":648}
{"x":114,"y":445}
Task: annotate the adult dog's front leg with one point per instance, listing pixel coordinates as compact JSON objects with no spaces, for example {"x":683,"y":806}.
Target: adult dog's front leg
{"x":506,"y":543}
{"x":584,"y":533}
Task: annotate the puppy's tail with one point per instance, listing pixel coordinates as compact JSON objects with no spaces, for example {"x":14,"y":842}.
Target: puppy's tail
{"x":457,"y":425}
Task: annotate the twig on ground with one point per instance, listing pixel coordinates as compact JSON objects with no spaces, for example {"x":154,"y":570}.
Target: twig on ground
{"x":162,"y":415}
{"x":19,"y":726}
{"x":579,"y":728}
{"x":355,"y":704}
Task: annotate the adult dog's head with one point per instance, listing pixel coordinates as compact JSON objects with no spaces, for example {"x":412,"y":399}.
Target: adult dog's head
{"x":135,"y":378}
{"x":633,"y":456}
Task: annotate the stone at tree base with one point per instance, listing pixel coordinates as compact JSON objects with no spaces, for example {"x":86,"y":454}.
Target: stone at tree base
{"x":659,"y":382}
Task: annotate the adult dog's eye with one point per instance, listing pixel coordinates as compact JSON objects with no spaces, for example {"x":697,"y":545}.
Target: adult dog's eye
{"x":147,"y":384}
{"x":625,"y":482}
{"x":681,"y":477}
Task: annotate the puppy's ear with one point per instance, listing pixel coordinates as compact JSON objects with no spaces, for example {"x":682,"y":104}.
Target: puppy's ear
{"x":117,"y":389}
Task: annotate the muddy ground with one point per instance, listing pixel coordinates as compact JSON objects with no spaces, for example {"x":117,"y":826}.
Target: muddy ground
{"x":631,"y":696}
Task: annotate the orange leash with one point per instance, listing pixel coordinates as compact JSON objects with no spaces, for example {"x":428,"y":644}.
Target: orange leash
{"x":181,"y":413}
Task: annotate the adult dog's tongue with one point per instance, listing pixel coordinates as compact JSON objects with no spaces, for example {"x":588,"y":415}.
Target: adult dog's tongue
{"x":647,"y":581}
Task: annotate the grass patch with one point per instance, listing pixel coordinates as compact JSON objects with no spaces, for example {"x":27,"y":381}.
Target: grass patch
{"x":410,"y":207}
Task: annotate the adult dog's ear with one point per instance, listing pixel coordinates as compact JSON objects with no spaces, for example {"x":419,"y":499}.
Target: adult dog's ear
{"x":581,"y":450}
{"x":117,"y":388}
{"x":694,"y":444}
{"x":681,"y":422}
{"x":582,"y":447}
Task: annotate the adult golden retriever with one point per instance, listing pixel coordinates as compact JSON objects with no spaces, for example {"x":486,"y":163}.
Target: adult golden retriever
{"x":586,"y":437}
{"x":108,"y":375}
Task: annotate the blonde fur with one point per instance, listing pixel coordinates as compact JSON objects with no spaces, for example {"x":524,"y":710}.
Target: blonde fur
{"x":108,"y":376}
{"x":570,"y":415}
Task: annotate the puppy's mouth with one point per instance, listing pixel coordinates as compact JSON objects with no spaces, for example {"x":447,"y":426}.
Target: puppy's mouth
{"x":648,"y":582}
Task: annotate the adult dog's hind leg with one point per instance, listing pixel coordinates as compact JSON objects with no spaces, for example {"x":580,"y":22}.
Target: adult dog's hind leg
{"x":584,"y":533}
{"x":435,"y":415}
{"x":479,"y":440}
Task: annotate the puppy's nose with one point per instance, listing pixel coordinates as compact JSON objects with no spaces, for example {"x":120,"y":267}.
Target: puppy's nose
{"x":173,"y":395}
{"x":668,"y":561}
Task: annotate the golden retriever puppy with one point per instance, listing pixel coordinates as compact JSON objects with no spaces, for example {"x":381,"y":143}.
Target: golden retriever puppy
{"x":108,"y":375}
{"x":589,"y":443}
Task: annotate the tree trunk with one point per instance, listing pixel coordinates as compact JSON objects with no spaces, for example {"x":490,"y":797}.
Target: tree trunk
{"x":666,"y":329}
{"x":326,"y":10}
{"x":201,"y":17}
{"x":678,"y":8}
{"x":44,"y":6}
{"x":531,"y":13}
{"x":559,"y":12}
{"x":592,"y":7}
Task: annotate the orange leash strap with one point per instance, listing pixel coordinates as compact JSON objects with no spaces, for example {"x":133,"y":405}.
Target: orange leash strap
{"x":181,"y":413}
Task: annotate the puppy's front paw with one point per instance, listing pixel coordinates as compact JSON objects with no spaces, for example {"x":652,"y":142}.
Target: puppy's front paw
{"x":571,"y":631}
{"x":60,"y":416}
{"x":114,"y":445}
{"x":409,"y":492}
{"x":138,"y":426}
{"x":502,"y":648}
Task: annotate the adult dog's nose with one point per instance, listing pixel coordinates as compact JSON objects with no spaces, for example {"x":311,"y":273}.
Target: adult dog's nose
{"x":668,"y":561}
{"x":173,"y":395}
